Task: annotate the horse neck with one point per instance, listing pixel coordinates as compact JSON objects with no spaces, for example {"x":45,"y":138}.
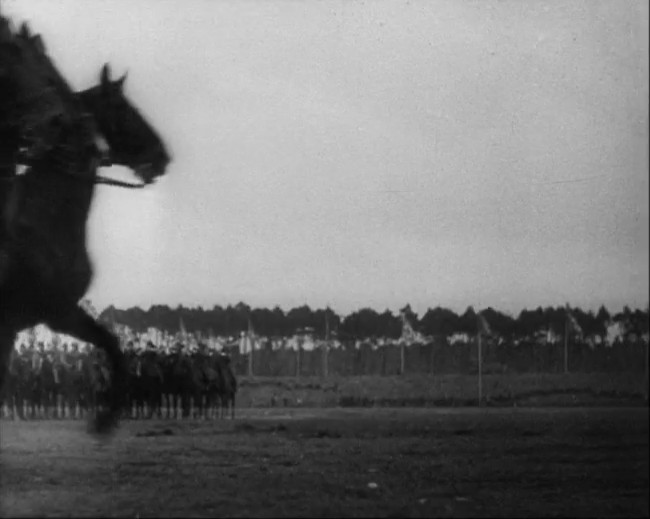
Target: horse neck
{"x":52,"y":199}
{"x":8,"y":149}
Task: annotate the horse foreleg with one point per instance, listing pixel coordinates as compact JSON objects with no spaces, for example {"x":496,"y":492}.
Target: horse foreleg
{"x":198,"y":412}
{"x":164,"y":404}
{"x":168,"y":403}
{"x":127,"y":413}
{"x":48,"y":407}
{"x":19,"y":402}
{"x":198,"y":404}
{"x":186,"y":402}
{"x":54,"y":403}
{"x":34,"y":403}
{"x":77,"y":323}
{"x":150,"y":404}
{"x":218,"y":405}
{"x":209,"y":405}
{"x":60,"y":405}
{"x":159,"y":404}
{"x":215,"y":404}
{"x":7,"y":339}
{"x":178,"y":403}
{"x":192,"y":406}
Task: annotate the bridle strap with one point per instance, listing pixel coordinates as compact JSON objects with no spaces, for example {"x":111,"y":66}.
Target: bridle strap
{"x":99,"y":179}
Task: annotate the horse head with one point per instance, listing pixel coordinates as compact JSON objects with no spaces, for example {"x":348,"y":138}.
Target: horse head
{"x":132,"y":140}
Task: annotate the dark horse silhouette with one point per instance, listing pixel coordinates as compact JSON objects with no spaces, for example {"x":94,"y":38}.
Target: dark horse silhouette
{"x":44,"y":265}
{"x":13,"y":394}
{"x":228,"y":388}
{"x":145,"y":385}
{"x":182,"y":384}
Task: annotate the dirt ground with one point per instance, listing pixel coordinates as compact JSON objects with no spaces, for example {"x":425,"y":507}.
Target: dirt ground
{"x":336,"y":463}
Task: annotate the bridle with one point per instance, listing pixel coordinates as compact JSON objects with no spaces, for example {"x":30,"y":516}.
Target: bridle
{"x":102,"y":157}
{"x":96,"y":180}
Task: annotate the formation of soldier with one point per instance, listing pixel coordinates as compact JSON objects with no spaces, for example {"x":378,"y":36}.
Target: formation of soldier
{"x":69,"y":380}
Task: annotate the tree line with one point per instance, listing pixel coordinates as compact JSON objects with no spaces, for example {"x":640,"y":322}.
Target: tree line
{"x":367,"y":323}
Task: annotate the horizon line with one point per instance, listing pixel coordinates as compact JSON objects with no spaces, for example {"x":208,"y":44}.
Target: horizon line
{"x":593,"y":308}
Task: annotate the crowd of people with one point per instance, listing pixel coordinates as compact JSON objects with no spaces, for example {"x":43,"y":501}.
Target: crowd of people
{"x":71,"y":379}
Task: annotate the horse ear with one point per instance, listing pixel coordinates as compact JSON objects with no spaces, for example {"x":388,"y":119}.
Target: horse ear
{"x":120,"y":82}
{"x":38,"y":42}
{"x":24,"y":30}
{"x":105,"y":77}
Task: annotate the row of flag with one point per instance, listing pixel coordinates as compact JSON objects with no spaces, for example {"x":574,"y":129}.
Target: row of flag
{"x":410,"y":336}
{"x":572,"y":325}
{"x":163,"y":339}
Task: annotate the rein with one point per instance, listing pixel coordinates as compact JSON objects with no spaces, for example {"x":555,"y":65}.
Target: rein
{"x":97,"y":179}
{"x":100,"y":179}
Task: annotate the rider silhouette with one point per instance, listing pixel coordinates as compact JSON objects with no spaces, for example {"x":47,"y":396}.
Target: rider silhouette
{"x":64,"y":358}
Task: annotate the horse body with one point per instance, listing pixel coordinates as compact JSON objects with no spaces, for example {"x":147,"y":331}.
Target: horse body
{"x":44,"y":265}
{"x":172,"y":385}
{"x":182,"y":384}
{"x":60,"y":386}
{"x":14,"y":394}
{"x":213,"y":386}
{"x":153,"y":380}
{"x":145,"y":385}
{"x":81,"y":385}
{"x":228,"y":389}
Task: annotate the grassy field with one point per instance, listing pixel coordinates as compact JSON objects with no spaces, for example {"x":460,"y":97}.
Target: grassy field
{"x":336,"y":462}
{"x":535,"y":389}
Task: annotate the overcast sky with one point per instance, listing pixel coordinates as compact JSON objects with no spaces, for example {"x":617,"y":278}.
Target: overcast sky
{"x":486,"y":153}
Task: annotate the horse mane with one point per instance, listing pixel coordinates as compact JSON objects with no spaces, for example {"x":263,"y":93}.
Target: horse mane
{"x":36,"y":46}
{"x":36,"y":94}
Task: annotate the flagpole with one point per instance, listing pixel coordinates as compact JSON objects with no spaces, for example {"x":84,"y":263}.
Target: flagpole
{"x":250,"y":344}
{"x":646,"y":371}
{"x":327,"y":344}
{"x":480,"y":359}
{"x":402,"y":349}
{"x":480,"y":371}
{"x":298,"y":351}
{"x":566,"y":341}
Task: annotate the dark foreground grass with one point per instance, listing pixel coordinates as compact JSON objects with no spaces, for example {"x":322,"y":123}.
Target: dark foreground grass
{"x":336,"y":462}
